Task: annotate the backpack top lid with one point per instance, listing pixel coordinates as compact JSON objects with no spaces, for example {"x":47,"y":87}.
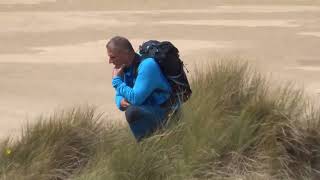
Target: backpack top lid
{"x":149,"y":48}
{"x":165,"y":54}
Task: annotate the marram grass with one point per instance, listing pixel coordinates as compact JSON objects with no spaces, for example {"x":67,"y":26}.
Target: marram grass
{"x":235,"y":126}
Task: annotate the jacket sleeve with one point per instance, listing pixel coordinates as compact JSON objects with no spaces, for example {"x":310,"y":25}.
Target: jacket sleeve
{"x":145,"y":84}
{"x":118,"y":100}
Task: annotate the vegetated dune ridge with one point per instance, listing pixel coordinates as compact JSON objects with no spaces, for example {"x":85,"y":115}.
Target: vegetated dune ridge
{"x":234,"y":127}
{"x":52,"y":53}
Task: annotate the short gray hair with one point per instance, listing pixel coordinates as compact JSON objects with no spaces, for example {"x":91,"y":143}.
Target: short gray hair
{"x":120,"y":43}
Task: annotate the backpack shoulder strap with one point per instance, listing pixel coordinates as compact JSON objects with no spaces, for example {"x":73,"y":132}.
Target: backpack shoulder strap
{"x":136,"y":62}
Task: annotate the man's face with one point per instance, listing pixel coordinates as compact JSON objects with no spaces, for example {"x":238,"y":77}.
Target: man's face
{"x":118,"y":58}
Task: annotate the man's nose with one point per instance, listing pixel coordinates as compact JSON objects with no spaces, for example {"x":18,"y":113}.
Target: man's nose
{"x":110,"y":61}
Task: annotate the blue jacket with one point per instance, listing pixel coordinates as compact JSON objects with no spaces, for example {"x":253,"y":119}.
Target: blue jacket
{"x":149,"y":87}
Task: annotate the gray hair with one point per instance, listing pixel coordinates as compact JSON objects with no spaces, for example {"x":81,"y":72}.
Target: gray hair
{"x":120,"y":43}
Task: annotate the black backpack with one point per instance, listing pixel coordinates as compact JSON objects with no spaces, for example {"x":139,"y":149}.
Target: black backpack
{"x":167,"y":56}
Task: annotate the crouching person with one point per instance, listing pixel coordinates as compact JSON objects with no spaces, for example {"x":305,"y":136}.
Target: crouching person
{"x":142,"y":90}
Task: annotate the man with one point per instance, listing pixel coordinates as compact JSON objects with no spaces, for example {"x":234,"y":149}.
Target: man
{"x":141,"y":88}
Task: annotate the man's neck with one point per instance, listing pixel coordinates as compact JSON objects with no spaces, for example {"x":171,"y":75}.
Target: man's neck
{"x":135,"y":60}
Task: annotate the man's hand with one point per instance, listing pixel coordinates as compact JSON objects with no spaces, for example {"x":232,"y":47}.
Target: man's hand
{"x":117,"y":71}
{"x":124,"y":104}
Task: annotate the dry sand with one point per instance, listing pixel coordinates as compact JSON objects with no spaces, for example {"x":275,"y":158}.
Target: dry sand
{"x":316,"y":34}
{"x":24,"y":1}
{"x":234,"y":23}
{"x":50,"y":60}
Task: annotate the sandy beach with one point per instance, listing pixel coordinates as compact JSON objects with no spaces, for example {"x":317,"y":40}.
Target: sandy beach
{"x":53,"y":58}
